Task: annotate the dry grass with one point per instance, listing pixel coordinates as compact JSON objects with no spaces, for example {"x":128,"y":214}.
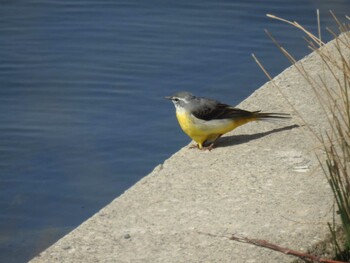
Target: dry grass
{"x":335,"y":102}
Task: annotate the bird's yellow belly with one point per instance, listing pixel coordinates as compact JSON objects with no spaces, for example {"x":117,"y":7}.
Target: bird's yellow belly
{"x":201,"y":130}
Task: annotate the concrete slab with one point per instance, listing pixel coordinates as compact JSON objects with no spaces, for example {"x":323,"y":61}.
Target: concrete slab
{"x":262,"y":181}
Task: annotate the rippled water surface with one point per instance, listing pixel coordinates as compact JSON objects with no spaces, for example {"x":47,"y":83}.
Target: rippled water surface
{"x":82,"y":114}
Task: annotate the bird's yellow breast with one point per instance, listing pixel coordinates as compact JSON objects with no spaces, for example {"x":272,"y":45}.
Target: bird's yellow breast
{"x":186,"y":122}
{"x":201,"y":130}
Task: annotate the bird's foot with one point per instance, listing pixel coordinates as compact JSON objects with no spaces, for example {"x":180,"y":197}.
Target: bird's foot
{"x":203,"y":148}
{"x":192,"y":146}
{"x":207,"y":148}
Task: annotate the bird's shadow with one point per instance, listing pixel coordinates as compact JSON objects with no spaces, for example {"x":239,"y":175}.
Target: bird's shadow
{"x":239,"y":139}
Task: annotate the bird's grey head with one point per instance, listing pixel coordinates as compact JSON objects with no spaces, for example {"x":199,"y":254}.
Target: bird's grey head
{"x":181,"y":100}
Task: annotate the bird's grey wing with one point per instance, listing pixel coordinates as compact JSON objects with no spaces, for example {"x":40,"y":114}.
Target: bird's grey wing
{"x":215,"y":110}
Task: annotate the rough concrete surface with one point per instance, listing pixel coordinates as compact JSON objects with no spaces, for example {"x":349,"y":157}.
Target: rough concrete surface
{"x":262,"y":181}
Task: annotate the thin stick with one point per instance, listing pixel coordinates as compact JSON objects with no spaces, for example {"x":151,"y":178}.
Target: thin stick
{"x":319,"y":25}
{"x":297,"y":25}
{"x":287,"y":251}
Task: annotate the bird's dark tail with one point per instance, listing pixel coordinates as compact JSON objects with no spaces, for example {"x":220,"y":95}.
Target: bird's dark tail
{"x":271,"y":116}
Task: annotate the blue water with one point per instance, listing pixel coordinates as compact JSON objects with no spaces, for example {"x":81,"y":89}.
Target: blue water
{"x":82,"y":114}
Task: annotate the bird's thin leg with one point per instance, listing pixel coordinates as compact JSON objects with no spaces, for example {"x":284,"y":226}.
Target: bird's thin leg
{"x":207,"y":148}
{"x":211,"y":146}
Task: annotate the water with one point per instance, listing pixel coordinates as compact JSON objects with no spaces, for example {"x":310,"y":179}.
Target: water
{"x":82,"y":114}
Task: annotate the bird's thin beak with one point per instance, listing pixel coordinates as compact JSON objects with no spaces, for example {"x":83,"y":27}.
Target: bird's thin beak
{"x":168,"y":97}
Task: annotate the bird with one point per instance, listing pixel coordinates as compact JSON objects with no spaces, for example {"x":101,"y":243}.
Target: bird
{"x":205,"y":120}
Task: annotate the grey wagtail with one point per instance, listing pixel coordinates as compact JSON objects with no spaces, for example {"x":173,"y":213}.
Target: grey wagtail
{"x":206,"y":120}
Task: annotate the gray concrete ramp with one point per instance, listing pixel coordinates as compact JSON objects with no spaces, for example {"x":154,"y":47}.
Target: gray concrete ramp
{"x":262,"y":181}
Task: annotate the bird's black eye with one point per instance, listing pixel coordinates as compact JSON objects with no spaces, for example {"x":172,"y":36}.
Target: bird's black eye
{"x":176,"y":99}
